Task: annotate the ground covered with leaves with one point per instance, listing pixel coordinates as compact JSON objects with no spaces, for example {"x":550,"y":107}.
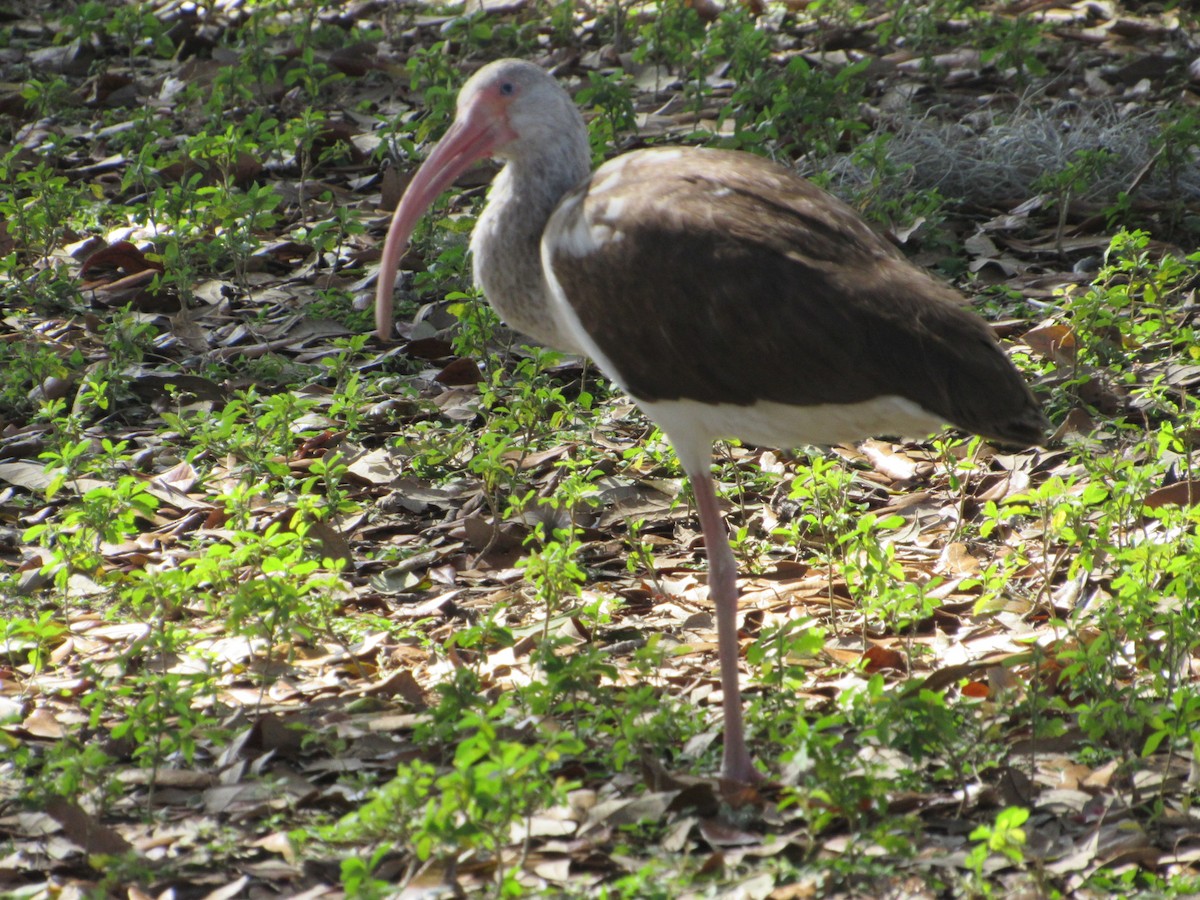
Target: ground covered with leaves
{"x":290,"y":612}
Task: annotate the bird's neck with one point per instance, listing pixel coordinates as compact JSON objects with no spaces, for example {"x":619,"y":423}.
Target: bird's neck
{"x":507,"y":240}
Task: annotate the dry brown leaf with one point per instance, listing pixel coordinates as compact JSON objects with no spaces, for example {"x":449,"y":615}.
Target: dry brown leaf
{"x":87,"y":832}
{"x":1181,"y":493}
{"x":41,"y":723}
{"x":880,"y":659}
{"x":957,"y":559}
{"x":1054,"y":341}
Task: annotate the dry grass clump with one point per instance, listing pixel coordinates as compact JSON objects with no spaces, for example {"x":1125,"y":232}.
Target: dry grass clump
{"x":993,"y":157}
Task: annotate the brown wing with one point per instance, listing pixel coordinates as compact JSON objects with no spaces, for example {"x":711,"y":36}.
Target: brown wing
{"x":725,"y":278}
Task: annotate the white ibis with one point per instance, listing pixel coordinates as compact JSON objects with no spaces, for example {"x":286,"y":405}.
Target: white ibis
{"x":729,"y":297}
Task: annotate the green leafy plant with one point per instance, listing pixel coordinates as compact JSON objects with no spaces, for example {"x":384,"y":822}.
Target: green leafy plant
{"x":799,"y":109}
{"x":1006,"y":837}
{"x":1011,"y":42}
{"x":1076,"y":177}
{"x":610,"y":94}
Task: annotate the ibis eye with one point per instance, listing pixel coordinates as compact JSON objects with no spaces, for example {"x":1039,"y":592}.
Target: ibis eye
{"x":507,"y":88}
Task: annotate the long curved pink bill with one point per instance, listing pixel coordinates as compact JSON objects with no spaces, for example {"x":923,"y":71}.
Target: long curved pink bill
{"x":470,"y":138}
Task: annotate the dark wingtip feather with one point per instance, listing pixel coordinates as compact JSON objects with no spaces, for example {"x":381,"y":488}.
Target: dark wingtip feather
{"x":1030,"y":428}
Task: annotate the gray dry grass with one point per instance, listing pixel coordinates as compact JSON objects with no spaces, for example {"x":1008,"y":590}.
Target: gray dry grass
{"x":1003,"y":154}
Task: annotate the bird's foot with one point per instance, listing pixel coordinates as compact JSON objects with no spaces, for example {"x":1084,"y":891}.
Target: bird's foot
{"x":742,"y":771}
{"x":750,"y":778}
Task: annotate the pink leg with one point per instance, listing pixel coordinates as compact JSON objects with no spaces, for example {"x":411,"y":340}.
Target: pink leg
{"x":722,"y":587}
